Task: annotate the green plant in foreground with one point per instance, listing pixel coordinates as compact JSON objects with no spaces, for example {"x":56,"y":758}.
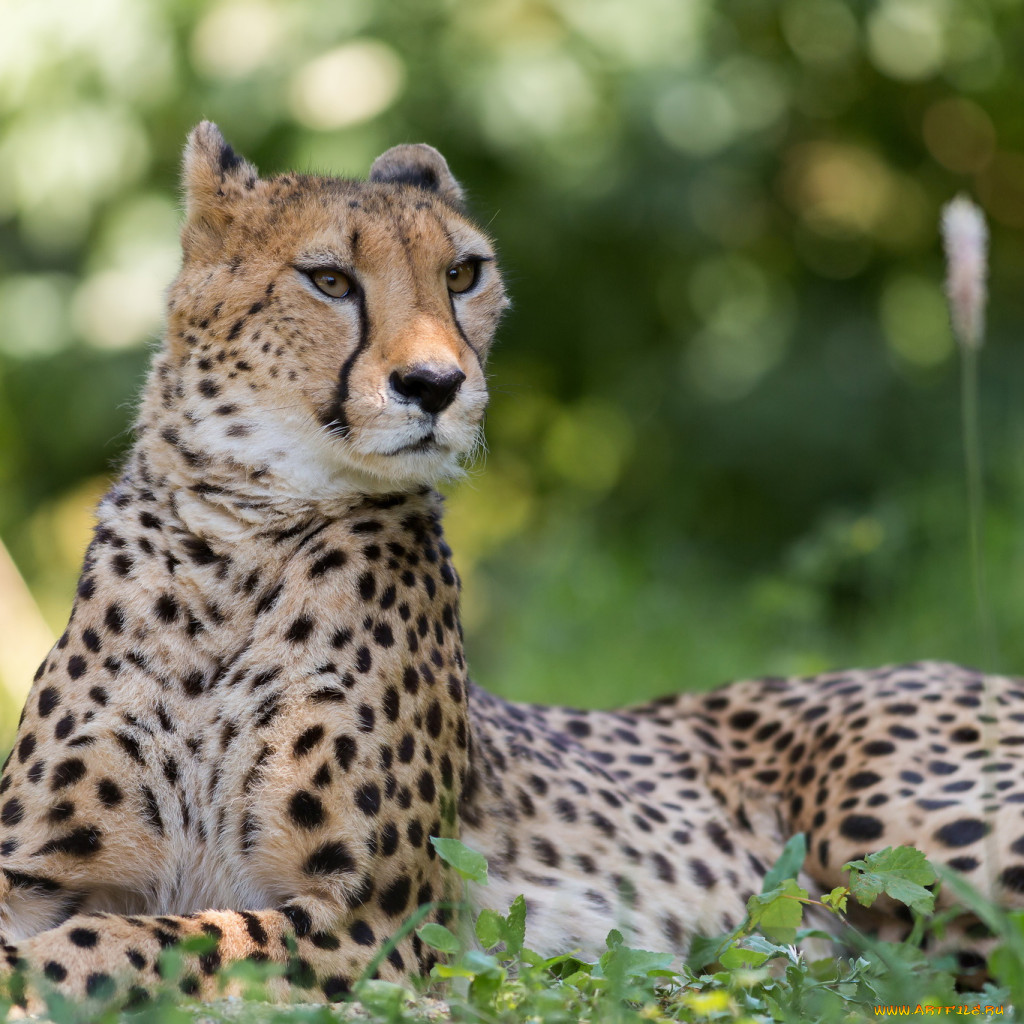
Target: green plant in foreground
{"x":764,"y":970}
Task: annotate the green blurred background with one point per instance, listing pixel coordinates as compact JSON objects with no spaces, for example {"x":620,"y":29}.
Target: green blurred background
{"x":725,"y":432}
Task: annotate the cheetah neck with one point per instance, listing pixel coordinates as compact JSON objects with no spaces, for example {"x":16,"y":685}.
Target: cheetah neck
{"x":217,"y":580}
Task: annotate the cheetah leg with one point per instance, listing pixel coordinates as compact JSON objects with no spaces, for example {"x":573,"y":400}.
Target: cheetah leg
{"x":39,"y":889}
{"x":109,"y":956}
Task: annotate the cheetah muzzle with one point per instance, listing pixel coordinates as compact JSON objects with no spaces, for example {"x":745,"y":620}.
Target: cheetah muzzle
{"x":259,"y":712}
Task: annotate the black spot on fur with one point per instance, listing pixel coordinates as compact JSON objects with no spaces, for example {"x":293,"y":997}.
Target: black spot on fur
{"x":367,"y":798}
{"x":395,"y":898}
{"x":861,"y":780}
{"x":12,"y":813}
{"x":130,"y":745}
{"x":306,"y":810}
{"x":965,"y":735}
{"x":67,"y":773}
{"x":269,"y":599}
{"x":861,"y":827}
{"x":325,"y":940}
{"x":307,"y":740}
{"x":82,"y":842}
{"x":255,"y":928}
{"x":152,"y":810}
{"x":330,"y":858}
{"x":99,"y":985}
{"x":427,"y":787}
{"x":701,"y":873}
{"x":84,"y":938}
{"x":166,"y":608}
{"x":114,"y":618}
{"x":300,"y":919}
{"x":55,"y":972}
{"x":879,"y":748}
{"x":962,"y":832}
{"x":300,"y":629}
{"x":1013,"y":878}
{"x":332,"y":559}
{"x":49,"y":698}
{"x":391,"y":704}
{"x":344,"y":751}
{"x":435,"y":719}
{"x":335,"y":987}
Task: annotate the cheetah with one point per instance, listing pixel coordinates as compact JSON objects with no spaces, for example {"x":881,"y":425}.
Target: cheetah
{"x":259,"y":713}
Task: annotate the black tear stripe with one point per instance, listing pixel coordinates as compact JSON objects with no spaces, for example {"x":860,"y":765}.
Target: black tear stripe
{"x":462,"y":334}
{"x":336,"y":414}
{"x":451,"y":298}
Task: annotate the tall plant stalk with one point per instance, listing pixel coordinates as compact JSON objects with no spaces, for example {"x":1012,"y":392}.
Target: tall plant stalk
{"x":965,"y":238}
{"x":974,"y":470}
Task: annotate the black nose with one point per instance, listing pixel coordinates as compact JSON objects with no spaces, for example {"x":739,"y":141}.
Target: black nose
{"x":432,"y":390}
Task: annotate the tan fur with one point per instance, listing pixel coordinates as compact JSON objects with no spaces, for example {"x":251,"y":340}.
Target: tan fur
{"x":259,"y":711}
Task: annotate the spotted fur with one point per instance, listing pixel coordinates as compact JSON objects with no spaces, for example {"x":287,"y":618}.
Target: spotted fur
{"x":259,"y":712}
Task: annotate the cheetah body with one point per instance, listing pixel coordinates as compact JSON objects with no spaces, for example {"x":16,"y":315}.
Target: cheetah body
{"x":259,"y":712}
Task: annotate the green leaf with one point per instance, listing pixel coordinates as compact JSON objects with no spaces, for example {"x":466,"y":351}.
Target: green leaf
{"x":624,"y":962}
{"x":778,"y":913}
{"x":566,"y":964}
{"x":448,"y":971}
{"x":789,"y":864}
{"x":759,"y":944}
{"x":578,"y":979}
{"x":467,"y":862}
{"x":480,"y":963}
{"x":528,"y":956}
{"x":383,"y":997}
{"x":489,"y":928}
{"x":202,"y":943}
{"x":1004,"y":964}
{"x":515,"y":934}
{"x":483,"y":988}
{"x":706,"y":949}
{"x":900,"y":872}
{"x":836,"y":899}
{"x":969,"y":896}
{"x":739,"y":957}
{"x":439,"y":937}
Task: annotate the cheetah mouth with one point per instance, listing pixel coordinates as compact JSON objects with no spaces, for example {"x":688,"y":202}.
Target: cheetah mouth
{"x":426,"y":444}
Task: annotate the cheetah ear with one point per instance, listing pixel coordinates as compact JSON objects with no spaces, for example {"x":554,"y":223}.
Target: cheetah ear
{"x":213,"y":176}
{"x":420,"y":165}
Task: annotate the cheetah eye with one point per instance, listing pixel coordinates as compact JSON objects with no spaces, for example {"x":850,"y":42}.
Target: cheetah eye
{"x":463,"y":276}
{"x":331,"y":282}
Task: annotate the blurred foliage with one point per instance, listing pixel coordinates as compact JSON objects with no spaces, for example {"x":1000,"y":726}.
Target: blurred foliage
{"x":725,"y":426}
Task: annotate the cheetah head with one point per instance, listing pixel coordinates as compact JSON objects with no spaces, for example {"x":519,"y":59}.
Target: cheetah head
{"x":325,"y":334}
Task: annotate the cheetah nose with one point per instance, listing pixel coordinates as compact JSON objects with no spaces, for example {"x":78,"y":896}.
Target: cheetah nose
{"x":432,"y":389}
